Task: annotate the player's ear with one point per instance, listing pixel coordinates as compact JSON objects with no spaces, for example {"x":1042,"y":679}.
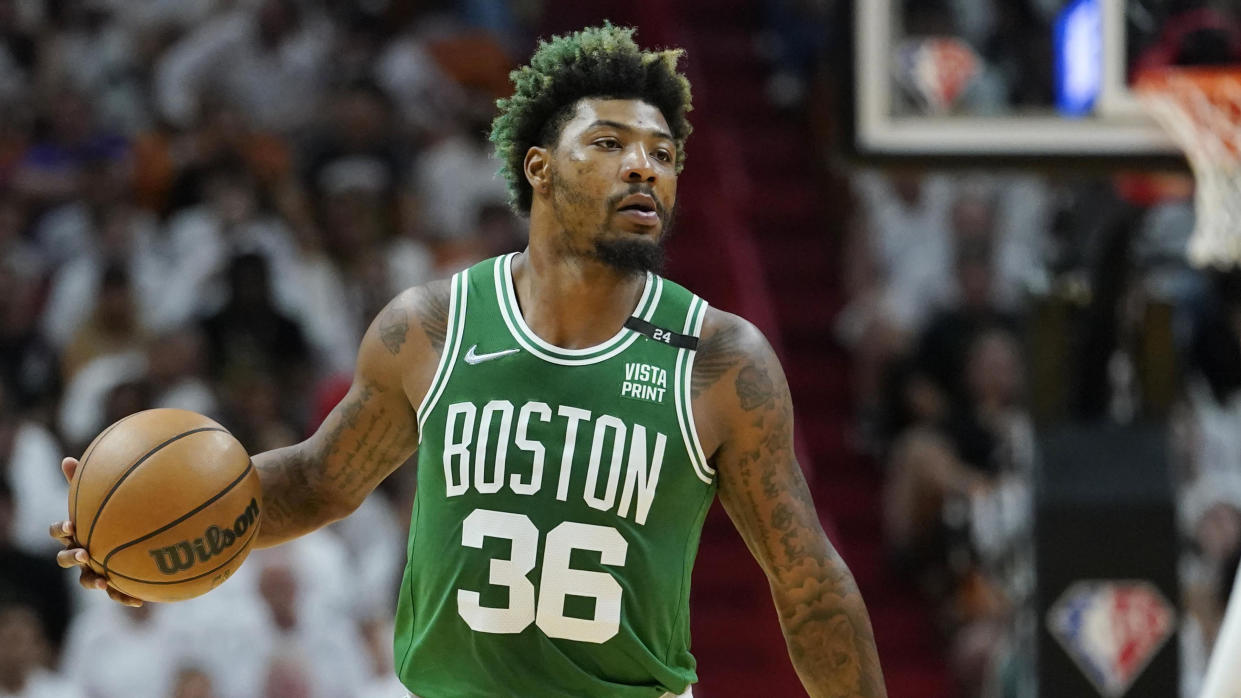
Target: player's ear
{"x":537,"y":164}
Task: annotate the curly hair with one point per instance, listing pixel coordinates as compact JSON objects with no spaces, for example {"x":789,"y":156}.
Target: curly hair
{"x":602,"y":62}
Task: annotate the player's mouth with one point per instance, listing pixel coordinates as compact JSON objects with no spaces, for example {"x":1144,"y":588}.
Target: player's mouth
{"x":639,"y":208}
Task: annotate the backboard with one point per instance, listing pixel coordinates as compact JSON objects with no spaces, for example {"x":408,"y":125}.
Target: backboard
{"x":1024,"y":82}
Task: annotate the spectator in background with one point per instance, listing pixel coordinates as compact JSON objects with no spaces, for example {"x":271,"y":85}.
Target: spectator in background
{"x":23,"y":655}
{"x":258,"y":413}
{"x":270,"y":62}
{"x":288,"y":676}
{"x":358,"y":145}
{"x":248,"y":230}
{"x":166,"y":372}
{"x":125,"y":399}
{"x":175,"y":368}
{"x":230,"y":220}
{"x":192,"y":682}
{"x":223,"y":136}
{"x":16,"y":252}
{"x":957,"y":455}
{"x":363,"y":260}
{"x":1210,"y":516}
{"x":943,"y":346}
{"x":29,"y":461}
{"x":381,"y":679}
{"x":34,"y":578}
{"x":321,"y":657}
{"x":249,"y":337}
{"x":85,"y":236}
{"x":955,"y":448}
{"x":27,"y":363}
{"x":113,"y":326}
{"x":67,"y":137}
{"x":373,"y":539}
{"x":1209,"y":505}
{"x":457,"y":175}
{"x":19,"y":53}
{"x":964,"y":385}
{"x":356,"y":173}
{"x":900,"y":252}
{"x":73,"y":228}
{"x":88,"y":50}
{"x":426,"y":97}
{"x":123,"y":652}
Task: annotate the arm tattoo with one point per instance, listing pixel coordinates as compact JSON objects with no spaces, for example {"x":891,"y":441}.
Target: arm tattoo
{"x":294,"y":479}
{"x":718,"y":353}
{"x":370,"y":447}
{"x":754,"y":387}
{"x":821,"y":610}
{"x":369,"y":434}
{"x":393,"y":326}
{"x":348,"y":458}
{"x":829,"y":636}
{"x":289,"y":493}
{"x":435,"y":318}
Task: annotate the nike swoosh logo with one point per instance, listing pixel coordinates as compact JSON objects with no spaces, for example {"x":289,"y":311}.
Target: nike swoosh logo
{"x":472,"y":358}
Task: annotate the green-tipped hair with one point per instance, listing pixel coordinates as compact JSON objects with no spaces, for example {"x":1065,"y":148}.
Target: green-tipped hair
{"x":602,"y":62}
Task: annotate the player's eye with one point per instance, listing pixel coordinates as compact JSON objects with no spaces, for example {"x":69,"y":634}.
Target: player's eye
{"x":608,"y":143}
{"x":663,"y":155}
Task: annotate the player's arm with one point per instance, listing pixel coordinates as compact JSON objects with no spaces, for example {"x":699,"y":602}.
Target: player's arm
{"x":746,"y":414}
{"x":370,"y":433}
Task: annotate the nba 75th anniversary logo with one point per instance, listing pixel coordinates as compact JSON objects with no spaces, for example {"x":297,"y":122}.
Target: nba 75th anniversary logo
{"x":1112,"y":629}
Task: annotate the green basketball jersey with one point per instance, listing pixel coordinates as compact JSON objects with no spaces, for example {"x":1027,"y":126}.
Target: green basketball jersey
{"x":561,"y":494}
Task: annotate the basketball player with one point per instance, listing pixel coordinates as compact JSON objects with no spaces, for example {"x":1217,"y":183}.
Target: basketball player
{"x":574,"y":416}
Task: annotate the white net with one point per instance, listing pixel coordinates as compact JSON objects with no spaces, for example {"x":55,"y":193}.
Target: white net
{"x":1201,"y":110}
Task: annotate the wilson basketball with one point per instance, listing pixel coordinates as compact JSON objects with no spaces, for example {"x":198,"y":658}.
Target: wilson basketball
{"x":167,"y":504}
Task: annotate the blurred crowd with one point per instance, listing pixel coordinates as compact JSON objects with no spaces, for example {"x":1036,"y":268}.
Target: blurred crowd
{"x":964,"y":288}
{"x":984,"y":307}
{"x":940,"y":268}
{"x":202,"y":205}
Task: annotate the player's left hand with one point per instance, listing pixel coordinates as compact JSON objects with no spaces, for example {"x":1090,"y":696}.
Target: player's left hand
{"x":74,"y":555}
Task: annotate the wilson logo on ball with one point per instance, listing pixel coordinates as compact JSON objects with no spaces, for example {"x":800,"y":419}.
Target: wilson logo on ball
{"x":181,"y":556}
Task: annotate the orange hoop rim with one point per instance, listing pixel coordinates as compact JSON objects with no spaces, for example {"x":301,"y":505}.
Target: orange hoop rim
{"x":1210,"y":79}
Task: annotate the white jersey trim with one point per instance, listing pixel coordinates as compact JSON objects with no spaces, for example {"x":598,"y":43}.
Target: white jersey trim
{"x":516,"y":324}
{"x":453,"y":333}
{"x":689,"y":379}
{"x":510,"y":295}
{"x":684,"y":397}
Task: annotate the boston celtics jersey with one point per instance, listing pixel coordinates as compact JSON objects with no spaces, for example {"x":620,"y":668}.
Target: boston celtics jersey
{"x":561,"y":493}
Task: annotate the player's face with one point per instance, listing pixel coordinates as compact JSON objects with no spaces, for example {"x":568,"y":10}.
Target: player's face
{"x":614,"y":182}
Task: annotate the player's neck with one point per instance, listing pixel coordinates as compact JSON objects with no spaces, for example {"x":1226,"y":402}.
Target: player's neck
{"x":573,"y":302}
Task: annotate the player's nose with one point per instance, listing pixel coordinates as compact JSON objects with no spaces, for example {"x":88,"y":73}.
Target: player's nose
{"x":638,"y":166}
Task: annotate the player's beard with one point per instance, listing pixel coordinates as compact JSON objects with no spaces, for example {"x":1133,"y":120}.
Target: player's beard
{"x":636,"y":256}
{"x":625,"y":252}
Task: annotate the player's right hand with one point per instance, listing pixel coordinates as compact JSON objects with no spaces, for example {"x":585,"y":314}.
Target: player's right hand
{"x":74,"y":555}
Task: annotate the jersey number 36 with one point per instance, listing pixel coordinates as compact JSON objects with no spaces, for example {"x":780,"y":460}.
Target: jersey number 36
{"x":558,"y":579}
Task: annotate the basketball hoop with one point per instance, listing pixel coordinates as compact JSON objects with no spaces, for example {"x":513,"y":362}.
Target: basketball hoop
{"x":1201,"y":110}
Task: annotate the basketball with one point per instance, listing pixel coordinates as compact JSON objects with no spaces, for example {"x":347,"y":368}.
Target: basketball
{"x":166,"y":502}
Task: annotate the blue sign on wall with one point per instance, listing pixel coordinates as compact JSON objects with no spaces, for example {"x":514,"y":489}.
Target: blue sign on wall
{"x":1078,"y":37}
